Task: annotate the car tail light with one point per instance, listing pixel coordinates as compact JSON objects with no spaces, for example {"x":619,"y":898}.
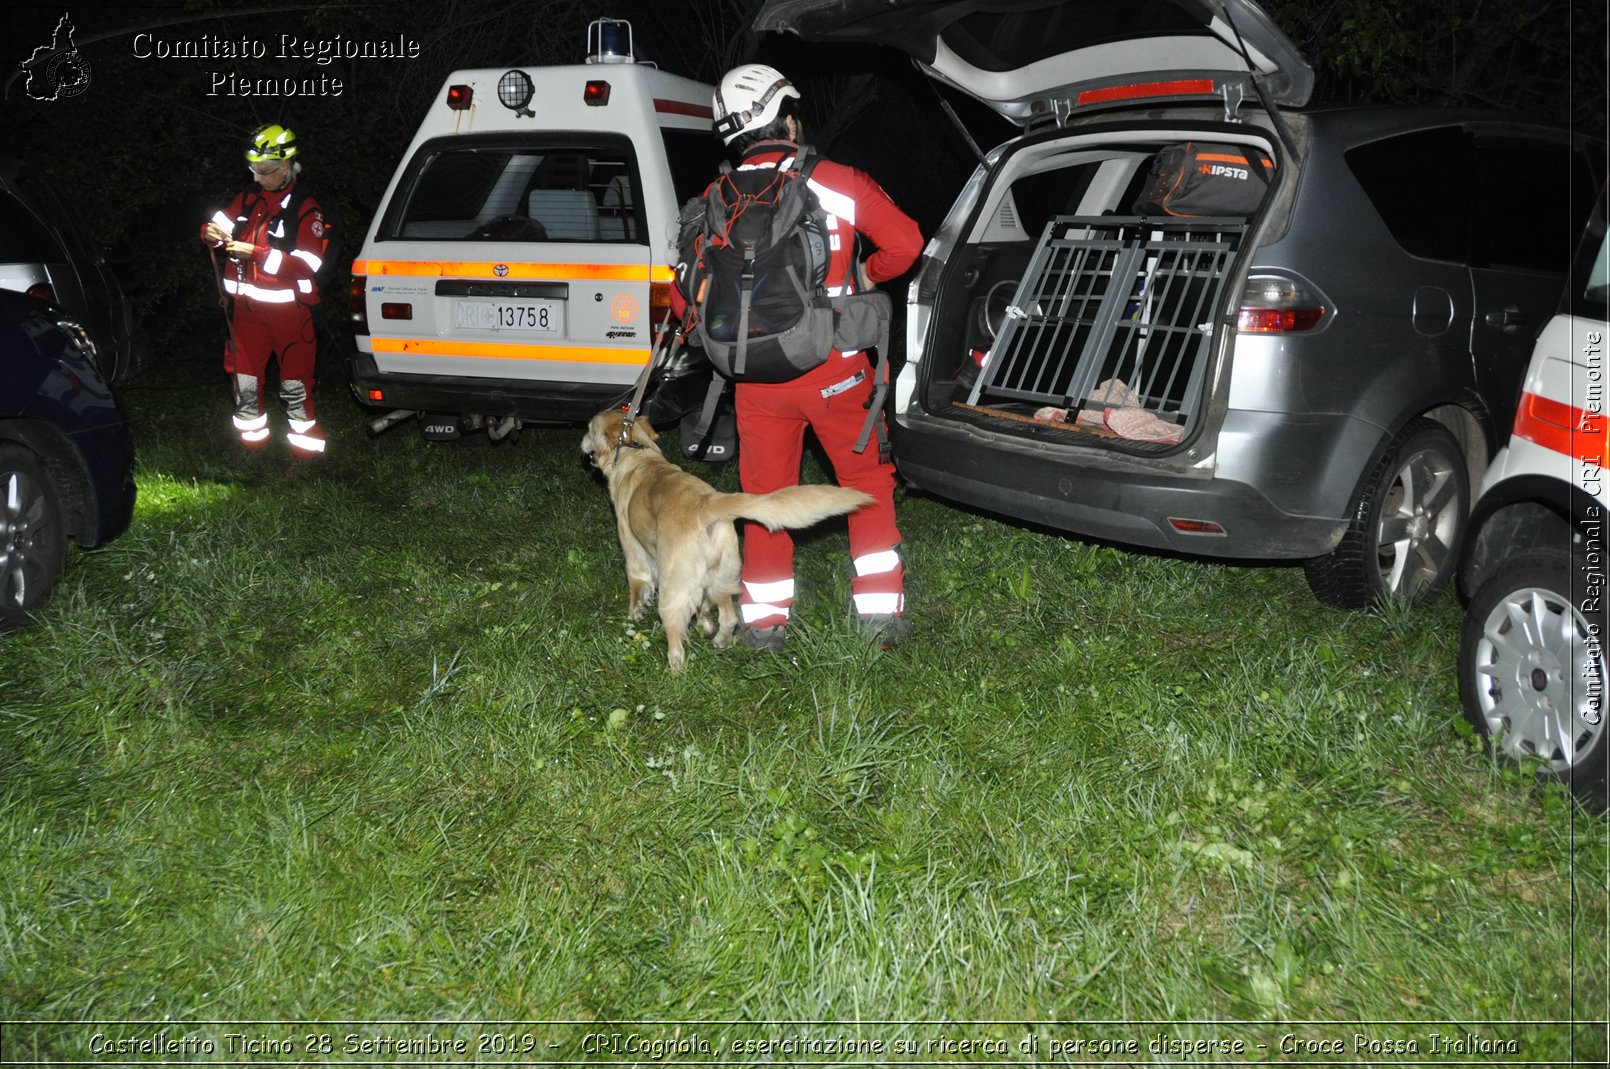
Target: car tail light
{"x":459,"y":97}
{"x":1273,"y":304}
{"x":85,"y":345}
{"x":42,"y":291}
{"x":359,"y":312}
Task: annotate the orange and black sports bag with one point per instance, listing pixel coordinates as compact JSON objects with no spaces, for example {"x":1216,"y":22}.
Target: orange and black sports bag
{"x":1198,"y":179}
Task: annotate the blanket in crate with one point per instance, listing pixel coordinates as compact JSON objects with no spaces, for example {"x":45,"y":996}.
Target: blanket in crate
{"x":1114,"y":406}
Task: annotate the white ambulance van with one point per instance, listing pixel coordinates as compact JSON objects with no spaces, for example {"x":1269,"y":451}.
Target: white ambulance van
{"x":1533,"y":671}
{"x":520,"y":263}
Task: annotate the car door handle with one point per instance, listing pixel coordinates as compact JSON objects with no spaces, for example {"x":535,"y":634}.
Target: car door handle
{"x":1508,"y":317}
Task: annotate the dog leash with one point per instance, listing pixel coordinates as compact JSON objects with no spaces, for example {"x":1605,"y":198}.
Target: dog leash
{"x":661,"y":349}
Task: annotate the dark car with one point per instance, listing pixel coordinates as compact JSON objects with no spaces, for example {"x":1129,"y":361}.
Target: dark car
{"x":1317,"y":371}
{"x":47,"y":251}
{"x":66,"y":455}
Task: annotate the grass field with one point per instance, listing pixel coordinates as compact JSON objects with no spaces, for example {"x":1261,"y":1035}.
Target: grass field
{"x":371,"y":740}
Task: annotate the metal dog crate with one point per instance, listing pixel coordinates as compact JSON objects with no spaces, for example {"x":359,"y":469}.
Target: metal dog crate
{"x":1113,"y":299}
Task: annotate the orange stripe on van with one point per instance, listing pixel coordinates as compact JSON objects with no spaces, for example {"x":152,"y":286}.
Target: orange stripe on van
{"x":575,"y":354}
{"x":473,"y":269}
{"x":1565,"y":429}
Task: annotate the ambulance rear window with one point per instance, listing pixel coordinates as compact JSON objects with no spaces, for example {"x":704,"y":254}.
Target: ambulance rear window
{"x":554,"y":187}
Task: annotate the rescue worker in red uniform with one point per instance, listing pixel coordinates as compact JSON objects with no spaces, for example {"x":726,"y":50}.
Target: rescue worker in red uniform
{"x":275,"y":240}
{"x":757,"y":115}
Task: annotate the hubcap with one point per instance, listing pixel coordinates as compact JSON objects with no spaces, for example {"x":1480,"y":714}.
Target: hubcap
{"x":21,"y":509}
{"x":1540,"y":677}
{"x":1419,"y":522}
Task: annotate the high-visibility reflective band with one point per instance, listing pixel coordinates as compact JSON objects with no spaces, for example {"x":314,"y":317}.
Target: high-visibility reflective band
{"x":749,"y":612}
{"x":833,"y":202}
{"x":471,"y":269}
{"x":251,"y":423}
{"x":877,"y":563}
{"x":879,"y":604}
{"x":259,"y":293}
{"x":308,"y":258}
{"x":258,"y":435}
{"x":302,"y":426}
{"x":224,"y":221}
{"x":305,"y":442}
{"x":636,"y":357}
{"x":780,"y":590}
{"x":271,"y":262}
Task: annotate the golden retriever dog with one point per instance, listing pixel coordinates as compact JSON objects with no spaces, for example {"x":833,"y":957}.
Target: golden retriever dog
{"x":677,"y":531}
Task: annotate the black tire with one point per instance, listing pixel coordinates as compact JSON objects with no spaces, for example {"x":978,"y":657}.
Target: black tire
{"x":1407,"y":523}
{"x":33,"y":541}
{"x":1532,"y":668}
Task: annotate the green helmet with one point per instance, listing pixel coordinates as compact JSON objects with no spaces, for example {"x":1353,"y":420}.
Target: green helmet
{"x":272,"y":142}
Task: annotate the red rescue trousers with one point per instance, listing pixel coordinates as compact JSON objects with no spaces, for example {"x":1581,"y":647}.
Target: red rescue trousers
{"x":261,"y":331}
{"x":772,"y":419}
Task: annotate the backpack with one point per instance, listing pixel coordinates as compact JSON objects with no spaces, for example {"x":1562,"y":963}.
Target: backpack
{"x":1198,"y":179}
{"x":754,"y":253}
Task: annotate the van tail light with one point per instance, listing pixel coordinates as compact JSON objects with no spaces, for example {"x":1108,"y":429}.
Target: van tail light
{"x":359,"y":313}
{"x":1274,"y":304}
{"x":659,"y":302}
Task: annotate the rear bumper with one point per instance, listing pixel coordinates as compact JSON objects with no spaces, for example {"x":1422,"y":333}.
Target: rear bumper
{"x":1045,"y":485}
{"x":535,"y":402}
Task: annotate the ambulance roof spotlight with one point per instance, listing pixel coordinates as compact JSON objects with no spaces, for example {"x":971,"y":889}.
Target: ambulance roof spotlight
{"x":514,"y":93}
{"x":609,"y":41}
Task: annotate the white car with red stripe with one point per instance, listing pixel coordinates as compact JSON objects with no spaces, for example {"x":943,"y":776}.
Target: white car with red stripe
{"x":1532,"y":666}
{"x":520,"y":262}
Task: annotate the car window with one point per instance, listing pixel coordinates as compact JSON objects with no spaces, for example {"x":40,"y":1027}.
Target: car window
{"x":1532,"y":199}
{"x":528,"y":189}
{"x":695,"y":157}
{"x":1589,"y":294}
{"x":1431,"y":225}
{"x":23,"y":239}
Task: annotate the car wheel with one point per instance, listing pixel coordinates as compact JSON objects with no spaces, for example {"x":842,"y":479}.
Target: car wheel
{"x":1407,"y":521}
{"x":33,"y":542}
{"x":1532,"y":668}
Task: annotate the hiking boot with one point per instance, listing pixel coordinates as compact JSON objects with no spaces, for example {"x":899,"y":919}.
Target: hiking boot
{"x":769,"y":639}
{"x":885,"y":630}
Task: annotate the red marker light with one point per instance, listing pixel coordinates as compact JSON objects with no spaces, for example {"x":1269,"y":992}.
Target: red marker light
{"x":595,"y":94}
{"x":459,"y":97}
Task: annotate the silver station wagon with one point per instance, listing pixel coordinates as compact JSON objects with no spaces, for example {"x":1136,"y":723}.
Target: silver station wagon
{"x":1182,"y":310}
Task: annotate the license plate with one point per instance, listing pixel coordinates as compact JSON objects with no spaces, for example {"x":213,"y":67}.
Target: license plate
{"x":525,"y":317}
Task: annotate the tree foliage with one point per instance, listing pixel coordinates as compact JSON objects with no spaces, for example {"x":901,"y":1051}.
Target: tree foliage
{"x":153,"y":146}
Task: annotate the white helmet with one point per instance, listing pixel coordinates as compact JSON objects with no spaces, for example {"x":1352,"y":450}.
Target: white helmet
{"x":749,"y":98}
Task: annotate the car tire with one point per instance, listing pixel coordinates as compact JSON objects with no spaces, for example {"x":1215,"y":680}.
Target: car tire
{"x":1407,"y":520}
{"x":33,"y":541}
{"x":1533,"y":672}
